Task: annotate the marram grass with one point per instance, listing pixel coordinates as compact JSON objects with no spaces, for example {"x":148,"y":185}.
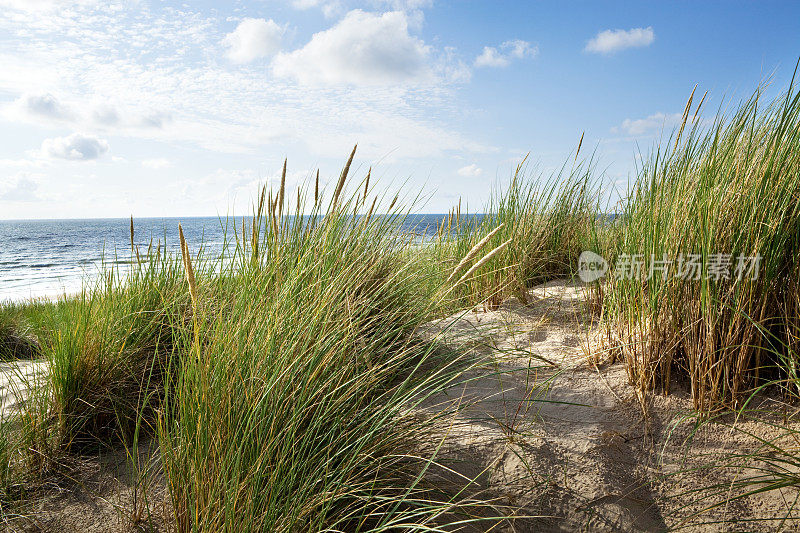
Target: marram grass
{"x":536,"y":230}
{"x":730,"y":188}
{"x":287,"y":412}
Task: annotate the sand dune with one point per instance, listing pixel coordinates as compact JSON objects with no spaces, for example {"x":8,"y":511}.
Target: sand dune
{"x":556,"y":442}
{"x":549,"y":434}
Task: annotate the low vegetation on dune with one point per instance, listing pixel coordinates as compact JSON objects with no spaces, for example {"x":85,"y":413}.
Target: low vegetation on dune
{"x":534,"y":231}
{"x":276,"y":379}
{"x":17,"y":336}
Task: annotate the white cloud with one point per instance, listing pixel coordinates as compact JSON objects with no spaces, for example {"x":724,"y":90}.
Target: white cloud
{"x":330,"y":8}
{"x":45,"y":105}
{"x":509,"y":50}
{"x":306,"y":4}
{"x":470,"y":171}
{"x":128,"y":90}
{"x":110,"y":116}
{"x":363,"y":48}
{"x":648,"y":125}
{"x":106,"y":115}
{"x":253,"y":39}
{"x":407,"y":5}
{"x":156,"y":119}
{"x":19,"y":189}
{"x":38,"y":108}
{"x":45,"y":109}
{"x":76,"y":147}
{"x":412,"y":8}
{"x":490,"y":57}
{"x":336,"y":8}
{"x":453,"y":67}
{"x":157,"y":163}
{"x":610,"y":41}
{"x":520,"y":49}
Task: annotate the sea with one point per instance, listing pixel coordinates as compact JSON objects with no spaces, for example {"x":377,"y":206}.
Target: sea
{"x":46,"y":259}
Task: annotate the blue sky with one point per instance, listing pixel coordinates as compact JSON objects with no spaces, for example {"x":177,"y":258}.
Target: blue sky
{"x":157,"y":108}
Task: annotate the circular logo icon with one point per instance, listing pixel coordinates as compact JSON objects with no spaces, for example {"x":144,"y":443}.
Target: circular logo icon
{"x":591,"y":267}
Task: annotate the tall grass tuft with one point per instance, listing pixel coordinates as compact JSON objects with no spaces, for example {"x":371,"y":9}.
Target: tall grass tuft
{"x":290,"y":408}
{"x":17,"y":335}
{"x":536,"y":230}
{"x":708,"y":196}
{"x":107,"y":351}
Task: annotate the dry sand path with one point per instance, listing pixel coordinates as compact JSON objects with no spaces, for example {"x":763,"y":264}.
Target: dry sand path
{"x":547,"y":433}
{"x":16,"y":379}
